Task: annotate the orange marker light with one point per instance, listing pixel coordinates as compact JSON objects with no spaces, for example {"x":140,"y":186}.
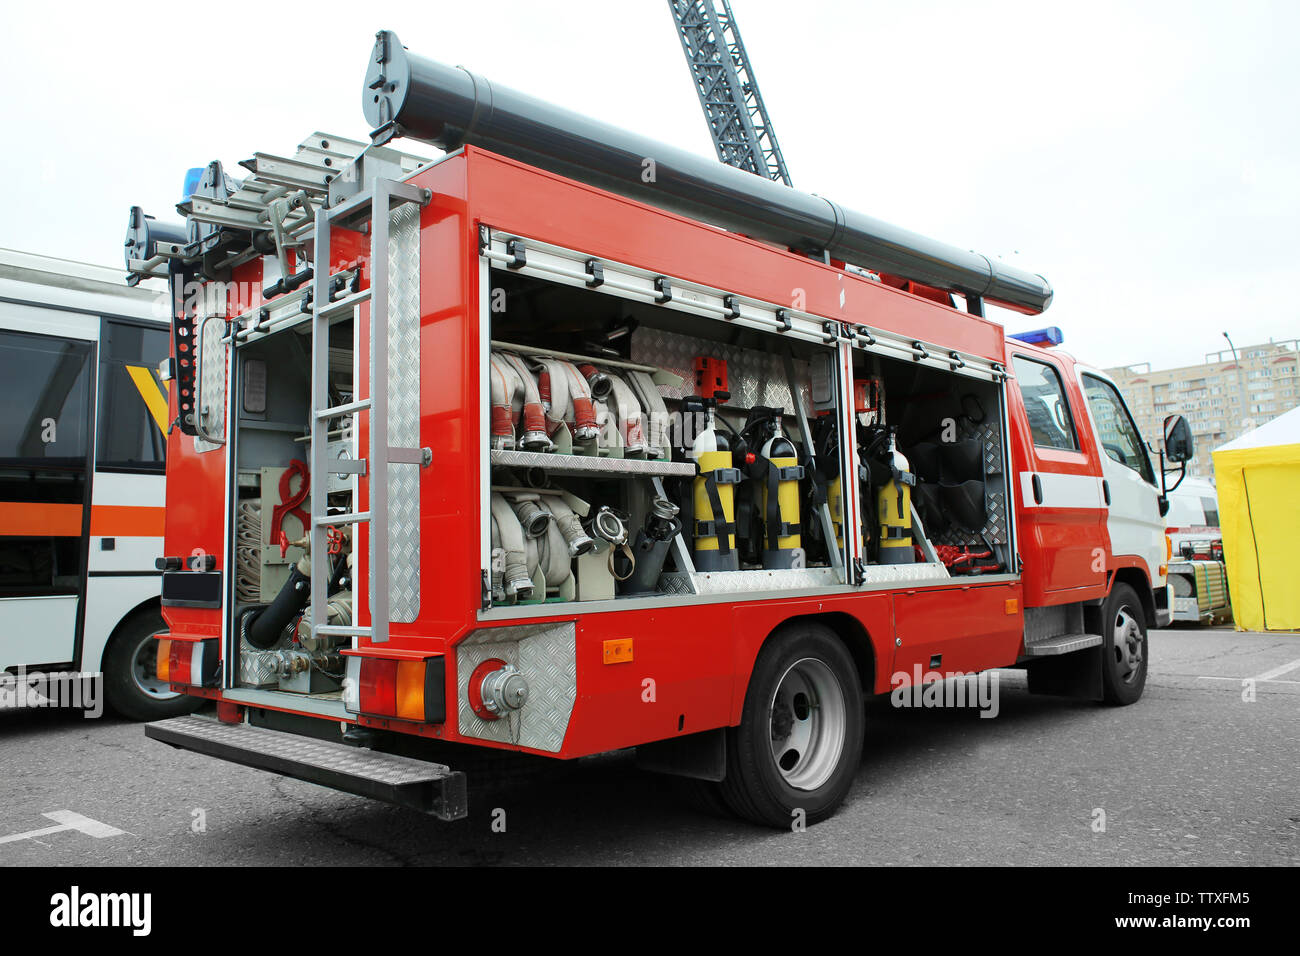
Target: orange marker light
{"x":619,"y":651}
{"x":410,"y":690}
{"x":1012,"y":605}
{"x":163,"y":665}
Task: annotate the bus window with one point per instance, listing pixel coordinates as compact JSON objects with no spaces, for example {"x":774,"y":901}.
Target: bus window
{"x":132,"y":404}
{"x":44,"y":442}
{"x":44,"y":398}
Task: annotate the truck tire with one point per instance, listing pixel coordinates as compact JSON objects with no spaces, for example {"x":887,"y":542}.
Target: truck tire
{"x":798,"y":747}
{"x":1124,"y":647}
{"x":130,"y":686}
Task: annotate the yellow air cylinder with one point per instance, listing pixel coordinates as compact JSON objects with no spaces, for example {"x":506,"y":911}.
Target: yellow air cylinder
{"x":709,"y":553}
{"x":782,"y":550}
{"x":895,"y":509}
{"x":835,"y":502}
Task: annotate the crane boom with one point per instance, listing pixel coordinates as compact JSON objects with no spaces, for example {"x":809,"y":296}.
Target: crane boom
{"x":733,"y":107}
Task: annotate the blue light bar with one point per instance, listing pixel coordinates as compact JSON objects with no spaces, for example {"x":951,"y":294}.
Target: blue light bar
{"x":192,"y":179}
{"x":1045,"y":338}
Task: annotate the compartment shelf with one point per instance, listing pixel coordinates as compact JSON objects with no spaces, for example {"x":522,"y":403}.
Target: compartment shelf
{"x":590,"y":465}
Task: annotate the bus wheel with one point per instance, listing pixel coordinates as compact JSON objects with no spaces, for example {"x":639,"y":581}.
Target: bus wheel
{"x":131,"y":683}
{"x":793,"y":758}
{"x":1124,"y":648}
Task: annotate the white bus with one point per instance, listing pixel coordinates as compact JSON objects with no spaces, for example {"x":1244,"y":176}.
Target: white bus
{"x":83,"y":424}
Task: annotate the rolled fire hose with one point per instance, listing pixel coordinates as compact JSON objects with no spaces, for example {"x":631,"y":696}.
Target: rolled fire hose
{"x":654,"y":411}
{"x":514,"y":396}
{"x":597,"y":381}
{"x":535,"y":437}
{"x":532,"y":516}
{"x":608,"y":526}
{"x":623,"y":403}
{"x":570,"y":526}
{"x":552,"y":555}
{"x":515,"y":577}
{"x":498,"y":562}
{"x":566,"y":398}
{"x":607,"y":422}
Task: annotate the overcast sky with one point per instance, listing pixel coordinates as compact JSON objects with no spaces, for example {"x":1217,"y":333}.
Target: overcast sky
{"x":1144,"y":157}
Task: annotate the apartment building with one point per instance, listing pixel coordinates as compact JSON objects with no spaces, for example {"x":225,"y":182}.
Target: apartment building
{"x":1222,"y":397}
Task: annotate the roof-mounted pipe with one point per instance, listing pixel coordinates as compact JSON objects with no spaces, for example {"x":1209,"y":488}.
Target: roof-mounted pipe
{"x":448,"y":107}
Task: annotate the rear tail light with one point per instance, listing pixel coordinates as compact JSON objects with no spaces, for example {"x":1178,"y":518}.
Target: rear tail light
{"x":413,"y":690}
{"x":188,"y":662}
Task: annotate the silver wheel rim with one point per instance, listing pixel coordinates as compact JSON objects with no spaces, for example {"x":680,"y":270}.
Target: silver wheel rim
{"x":807,"y":719}
{"x":1127,"y":648}
{"x":144,"y":670}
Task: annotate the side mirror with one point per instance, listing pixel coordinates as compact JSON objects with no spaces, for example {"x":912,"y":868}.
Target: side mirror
{"x":1179,"y":444}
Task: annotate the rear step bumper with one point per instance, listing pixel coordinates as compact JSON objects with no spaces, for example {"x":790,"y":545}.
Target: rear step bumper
{"x":417,"y":784}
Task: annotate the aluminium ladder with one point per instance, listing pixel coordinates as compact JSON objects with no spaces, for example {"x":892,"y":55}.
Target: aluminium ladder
{"x":375,"y":206}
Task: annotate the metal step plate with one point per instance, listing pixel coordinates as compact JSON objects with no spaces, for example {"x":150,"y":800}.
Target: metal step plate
{"x":417,"y":784}
{"x":1064,"y":644}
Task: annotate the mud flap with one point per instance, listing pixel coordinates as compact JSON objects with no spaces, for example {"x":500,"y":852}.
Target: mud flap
{"x":702,"y":756}
{"x":1075,"y":675}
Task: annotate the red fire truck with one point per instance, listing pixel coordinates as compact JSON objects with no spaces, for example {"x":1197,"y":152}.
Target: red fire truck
{"x":569,"y":441}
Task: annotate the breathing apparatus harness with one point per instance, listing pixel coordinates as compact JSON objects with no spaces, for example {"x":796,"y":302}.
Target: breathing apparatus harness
{"x":758,"y":449}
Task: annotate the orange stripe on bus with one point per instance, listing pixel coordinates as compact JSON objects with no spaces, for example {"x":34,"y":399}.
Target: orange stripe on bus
{"x":30,"y":519}
{"x":33,"y":519}
{"x":127,"y":521}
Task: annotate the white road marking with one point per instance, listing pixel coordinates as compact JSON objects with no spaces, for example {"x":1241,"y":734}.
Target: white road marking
{"x":1278,"y":671}
{"x":1257,"y":680}
{"x":67,"y":820}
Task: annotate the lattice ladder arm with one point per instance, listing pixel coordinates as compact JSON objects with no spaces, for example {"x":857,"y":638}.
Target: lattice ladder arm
{"x":724,"y":81}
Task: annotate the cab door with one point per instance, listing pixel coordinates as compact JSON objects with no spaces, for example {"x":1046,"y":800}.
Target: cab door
{"x":1133,"y":521}
{"x":1058,"y":485}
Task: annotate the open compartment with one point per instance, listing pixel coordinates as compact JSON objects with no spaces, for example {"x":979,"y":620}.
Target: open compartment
{"x":271,"y":408}
{"x":948,"y":431}
{"x":648,"y":436}
{"x":637,"y":450}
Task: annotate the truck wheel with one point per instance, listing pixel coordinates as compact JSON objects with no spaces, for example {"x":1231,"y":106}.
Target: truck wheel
{"x":130,"y":673}
{"x":799,"y":744}
{"x":1124,"y":649}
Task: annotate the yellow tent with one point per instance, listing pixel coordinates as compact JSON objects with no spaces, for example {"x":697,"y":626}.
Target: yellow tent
{"x":1258,"y":476}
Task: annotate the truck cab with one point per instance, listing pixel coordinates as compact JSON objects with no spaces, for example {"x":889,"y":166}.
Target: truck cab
{"x":1087,"y":491}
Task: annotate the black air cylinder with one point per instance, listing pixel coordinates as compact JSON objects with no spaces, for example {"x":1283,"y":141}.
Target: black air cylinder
{"x":448,"y":107}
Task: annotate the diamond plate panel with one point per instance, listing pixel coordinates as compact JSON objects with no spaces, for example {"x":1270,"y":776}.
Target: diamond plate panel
{"x":404,"y":411}
{"x":257,"y":667}
{"x":358,"y":761}
{"x":212,"y":374}
{"x":995,"y":496}
{"x":546,"y":655}
{"x":589,"y":464}
{"x":731,"y":582}
{"x":755,"y":378}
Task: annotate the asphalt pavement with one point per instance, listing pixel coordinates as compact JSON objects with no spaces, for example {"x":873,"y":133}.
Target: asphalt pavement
{"x":1202,"y":770}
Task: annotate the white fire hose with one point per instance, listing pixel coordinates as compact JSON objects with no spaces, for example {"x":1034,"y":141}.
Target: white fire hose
{"x":567,"y":399}
{"x":514,"y":396}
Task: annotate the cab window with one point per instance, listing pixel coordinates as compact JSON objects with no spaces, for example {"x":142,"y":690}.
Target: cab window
{"x":1120,"y":438}
{"x":1050,"y":421}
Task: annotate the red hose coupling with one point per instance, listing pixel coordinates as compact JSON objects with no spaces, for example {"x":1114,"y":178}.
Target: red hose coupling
{"x":502,"y":424}
{"x":584,"y":419}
